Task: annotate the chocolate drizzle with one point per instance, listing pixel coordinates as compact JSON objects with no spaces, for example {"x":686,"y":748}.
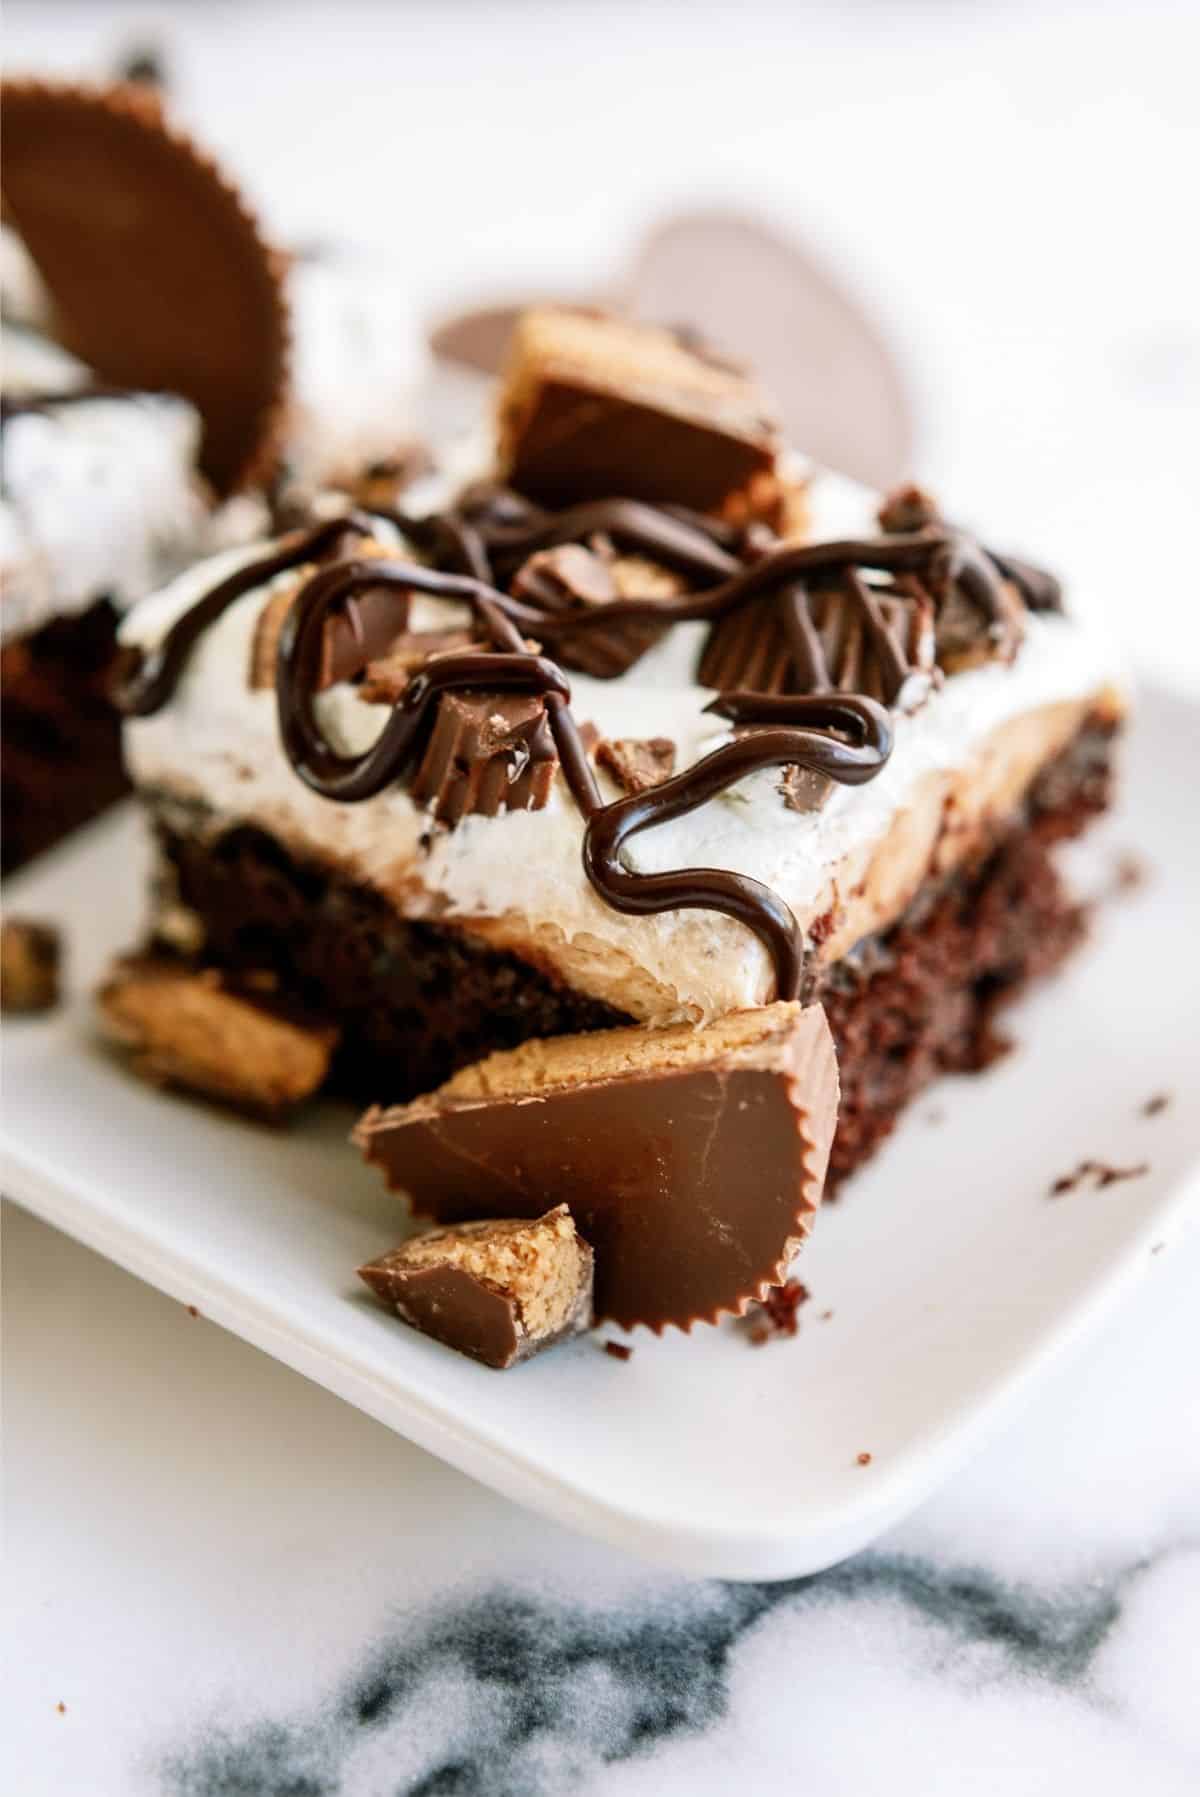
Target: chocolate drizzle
{"x":846,"y":739}
{"x":152,"y":682}
{"x":825,"y":729}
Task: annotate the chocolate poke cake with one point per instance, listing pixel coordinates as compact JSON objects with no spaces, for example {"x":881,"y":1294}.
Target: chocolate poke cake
{"x":651,"y":723}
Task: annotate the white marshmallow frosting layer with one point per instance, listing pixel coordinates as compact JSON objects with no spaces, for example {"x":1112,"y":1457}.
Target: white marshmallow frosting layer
{"x":217,"y":742}
{"x":99,"y":498}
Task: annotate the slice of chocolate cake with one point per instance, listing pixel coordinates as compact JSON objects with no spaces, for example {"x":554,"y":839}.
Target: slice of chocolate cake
{"x":457,"y":790}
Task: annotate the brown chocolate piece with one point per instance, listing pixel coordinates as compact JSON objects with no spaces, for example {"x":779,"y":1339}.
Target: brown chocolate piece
{"x":160,"y":278}
{"x":965,"y":636}
{"x":802,"y":789}
{"x":570,"y":577}
{"x":499,"y":1290}
{"x":908,"y":508}
{"x":487,"y":752}
{"x":637,"y":765}
{"x":593,"y":406}
{"x":692,"y":1160}
{"x":197,"y":1031}
{"x":387,"y":679}
{"x":365,"y":630}
{"x":29,"y":966}
{"x":564,"y":578}
{"x":844,"y":637}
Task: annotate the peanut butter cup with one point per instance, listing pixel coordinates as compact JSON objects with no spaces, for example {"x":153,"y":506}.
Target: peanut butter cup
{"x":159,"y":275}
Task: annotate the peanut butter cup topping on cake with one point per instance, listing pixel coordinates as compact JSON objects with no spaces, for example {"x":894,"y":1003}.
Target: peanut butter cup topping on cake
{"x":158,"y":274}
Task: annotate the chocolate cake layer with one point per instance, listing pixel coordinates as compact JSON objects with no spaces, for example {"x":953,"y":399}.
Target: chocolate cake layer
{"x":60,"y":739}
{"x":416,"y":1000}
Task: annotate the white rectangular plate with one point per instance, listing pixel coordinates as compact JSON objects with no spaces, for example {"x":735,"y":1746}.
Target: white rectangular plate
{"x":952,"y":1278}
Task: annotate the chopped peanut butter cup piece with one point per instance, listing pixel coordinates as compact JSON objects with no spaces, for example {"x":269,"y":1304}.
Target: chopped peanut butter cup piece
{"x":635,"y":765}
{"x":365,"y":629}
{"x":840,"y":636}
{"x":195,"y":1031}
{"x":29,"y":964}
{"x":487,"y":752}
{"x":498,"y":1289}
{"x":387,"y":679}
{"x":594,"y":405}
{"x":570,"y":577}
{"x":692,"y":1160}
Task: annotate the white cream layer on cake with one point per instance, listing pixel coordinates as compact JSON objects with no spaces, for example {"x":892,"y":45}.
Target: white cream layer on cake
{"x":959,"y":768}
{"x":99,"y":497}
{"x":357,"y":359}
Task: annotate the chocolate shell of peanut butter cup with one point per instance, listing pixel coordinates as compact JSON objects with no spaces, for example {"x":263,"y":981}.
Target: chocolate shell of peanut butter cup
{"x":160,"y":278}
{"x":692,"y":1161}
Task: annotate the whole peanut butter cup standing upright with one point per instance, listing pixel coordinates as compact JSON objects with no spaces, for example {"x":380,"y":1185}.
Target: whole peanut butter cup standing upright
{"x":159,"y":275}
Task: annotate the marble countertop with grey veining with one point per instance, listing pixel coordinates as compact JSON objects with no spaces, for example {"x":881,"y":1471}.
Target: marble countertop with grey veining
{"x":225,"y":1583}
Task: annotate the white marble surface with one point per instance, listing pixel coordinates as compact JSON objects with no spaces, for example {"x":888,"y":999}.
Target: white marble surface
{"x":237,"y":1585}
{"x":234,"y":1584}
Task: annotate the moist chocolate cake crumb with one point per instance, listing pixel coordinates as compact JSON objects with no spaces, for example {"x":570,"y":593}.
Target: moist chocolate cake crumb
{"x":864,"y":1459}
{"x":1154,"y":1107}
{"x":29,"y":966}
{"x":1108,"y":1176}
{"x":618,"y":1350}
{"x":822,"y":928}
{"x":1099,"y":1173}
{"x":992,"y":1045}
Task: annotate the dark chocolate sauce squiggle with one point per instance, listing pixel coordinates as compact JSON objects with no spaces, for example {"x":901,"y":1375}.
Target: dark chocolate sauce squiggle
{"x":153,"y":682}
{"x":804,"y":743}
{"x":846,"y":739}
{"x":493,"y":532}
